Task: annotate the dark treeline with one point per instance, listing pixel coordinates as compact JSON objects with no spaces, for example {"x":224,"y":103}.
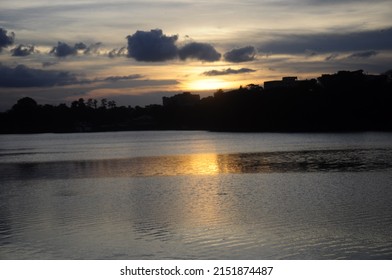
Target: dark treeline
{"x":345,"y":101}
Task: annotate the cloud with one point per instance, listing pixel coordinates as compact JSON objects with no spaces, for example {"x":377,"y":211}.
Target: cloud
{"x":63,"y":49}
{"x":80,"y":46}
{"x":120,"y":78}
{"x":241,"y":55}
{"x":339,"y":2}
{"x":152,"y":46}
{"x":365,"y":54}
{"x":49,"y":63}
{"x":355,"y":55}
{"x":330,"y":42}
{"x":23,"y":50}
{"x":199,"y":51}
{"x":228,"y":71}
{"x":118,"y":52}
{"x":23,"y":76}
{"x":332,"y":57}
{"x":6,"y":39}
{"x":93,"y":48}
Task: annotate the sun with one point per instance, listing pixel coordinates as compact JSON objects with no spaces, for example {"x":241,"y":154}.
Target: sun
{"x":209,"y":84}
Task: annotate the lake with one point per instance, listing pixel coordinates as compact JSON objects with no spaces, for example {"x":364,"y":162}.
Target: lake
{"x":196,"y":195}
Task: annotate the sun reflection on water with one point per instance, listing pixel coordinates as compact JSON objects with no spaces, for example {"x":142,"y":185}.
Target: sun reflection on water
{"x":202,"y":164}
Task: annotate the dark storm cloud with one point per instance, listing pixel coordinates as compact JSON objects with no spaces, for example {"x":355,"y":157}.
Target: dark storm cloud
{"x":330,"y":42}
{"x":152,"y":46}
{"x":23,"y":76}
{"x":199,"y":51}
{"x":228,"y":71}
{"x":365,"y":54}
{"x":23,"y":50}
{"x":6,"y":39}
{"x":241,"y":55}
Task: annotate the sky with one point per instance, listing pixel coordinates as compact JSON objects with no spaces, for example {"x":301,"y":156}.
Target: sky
{"x":136,"y":52}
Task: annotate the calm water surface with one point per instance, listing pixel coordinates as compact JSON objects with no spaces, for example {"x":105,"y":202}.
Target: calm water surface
{"x":196,"y":195}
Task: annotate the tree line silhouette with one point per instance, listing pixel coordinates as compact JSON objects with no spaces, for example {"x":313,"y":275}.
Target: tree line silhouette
{"x":344,"y":101}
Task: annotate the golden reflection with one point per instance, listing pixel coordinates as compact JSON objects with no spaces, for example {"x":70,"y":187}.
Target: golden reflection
{"x":175,"y":165}
{"x":202,"y":164}
{"x":207,"y":201}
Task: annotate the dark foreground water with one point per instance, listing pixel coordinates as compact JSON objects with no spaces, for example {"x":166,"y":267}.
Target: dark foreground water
{"x":196,"y":195}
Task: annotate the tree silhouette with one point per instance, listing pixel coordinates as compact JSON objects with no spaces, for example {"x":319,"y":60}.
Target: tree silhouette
{"x":104,"y":103}
{"x":111,"y":104}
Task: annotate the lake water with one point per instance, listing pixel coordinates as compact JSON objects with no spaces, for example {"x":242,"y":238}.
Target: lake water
{"x":196,"y":195}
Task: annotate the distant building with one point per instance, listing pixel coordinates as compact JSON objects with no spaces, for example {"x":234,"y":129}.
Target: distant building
{"x":290,"y":83}
{"x":181,"y":100}
{"x":348,"y":80}
{"x":342,"y":78}
{"x":286,"y":82}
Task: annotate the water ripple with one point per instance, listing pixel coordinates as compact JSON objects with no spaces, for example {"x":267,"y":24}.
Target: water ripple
{"x":354,"y":160}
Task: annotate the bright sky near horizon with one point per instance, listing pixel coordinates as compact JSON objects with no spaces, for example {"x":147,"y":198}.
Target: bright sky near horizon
{"x":135,"y":52}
